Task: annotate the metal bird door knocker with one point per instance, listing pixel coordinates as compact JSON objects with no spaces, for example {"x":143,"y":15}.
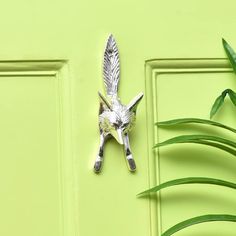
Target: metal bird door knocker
{"x":115,"y":119}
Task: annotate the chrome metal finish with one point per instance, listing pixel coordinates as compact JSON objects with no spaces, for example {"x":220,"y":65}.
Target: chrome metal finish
{"x":115,"y":119}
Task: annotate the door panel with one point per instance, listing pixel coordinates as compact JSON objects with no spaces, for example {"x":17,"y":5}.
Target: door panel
{"x":32,"y":165}
{"x":187,"y":88}
{"x":29,"y":156}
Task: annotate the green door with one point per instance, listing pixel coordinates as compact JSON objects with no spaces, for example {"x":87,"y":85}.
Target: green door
{"x":51,"y":57}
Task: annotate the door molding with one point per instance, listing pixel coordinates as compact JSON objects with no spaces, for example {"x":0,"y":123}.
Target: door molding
{"x":58,"y":71}
{"x":154,"y":68}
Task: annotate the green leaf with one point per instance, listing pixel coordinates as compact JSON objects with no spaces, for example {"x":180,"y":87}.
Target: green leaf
{"x":230,"y":53}
{"x":189,"y":180}
{"x":208,"y":140}
{"x":232,"y":96}
{"x":217,"y":104}
{"x":198,"y":220}
{"x":220,"y":100}
{"x":197,"y":137}
{"x":193,"y":120}
{"x":217,"y":145}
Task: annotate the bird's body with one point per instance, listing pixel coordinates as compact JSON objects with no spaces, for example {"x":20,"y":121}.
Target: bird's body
{"x":115,"y":119}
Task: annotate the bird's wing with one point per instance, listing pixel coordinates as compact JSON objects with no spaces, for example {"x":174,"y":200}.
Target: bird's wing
{"x":111,"y":67}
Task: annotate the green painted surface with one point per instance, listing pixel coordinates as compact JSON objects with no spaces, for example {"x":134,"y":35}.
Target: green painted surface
{"x":47,"y":184}
{"x":29,"y":165}
{"x":186,"y":160}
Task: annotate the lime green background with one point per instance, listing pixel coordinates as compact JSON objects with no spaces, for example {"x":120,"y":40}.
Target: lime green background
{"x":49,"y":132}
{"x":28,"y":165}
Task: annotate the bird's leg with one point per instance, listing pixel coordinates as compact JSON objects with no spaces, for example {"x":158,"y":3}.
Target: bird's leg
{"x":129,"y":157}
{"x":99,"y":159}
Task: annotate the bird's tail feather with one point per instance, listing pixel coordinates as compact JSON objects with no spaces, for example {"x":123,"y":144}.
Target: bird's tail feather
{"x":111,"y":67}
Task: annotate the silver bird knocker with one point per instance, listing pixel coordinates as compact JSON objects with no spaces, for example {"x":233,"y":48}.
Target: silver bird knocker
{"x":115,"y":119}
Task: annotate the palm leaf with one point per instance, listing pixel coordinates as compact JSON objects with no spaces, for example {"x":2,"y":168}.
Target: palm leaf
{"x":189,"y":180}
{"x":232,"y":96}
{"x":208,"y":140}
{"x":220,"y":100}
{"x":217,"y":104}
{"x":217,"y":145}
{"x":197,"y":137}
{"x":193,"y":120}
{"x":230,"y":53}
{"x":198,"y":220}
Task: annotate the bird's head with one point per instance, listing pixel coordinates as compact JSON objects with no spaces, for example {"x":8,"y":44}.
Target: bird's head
{"x":118,"y":119}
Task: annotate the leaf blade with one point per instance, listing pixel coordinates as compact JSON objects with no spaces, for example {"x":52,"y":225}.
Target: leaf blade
{"x":195,"y":121}
{"x":189,"y":180}
{"x":199,"y":220}
{"x":232,"y":96}
{"x":198,"y":137}
{"x":197,"y":140}
{"x":217,"y":105}
{"x":230,"y":54}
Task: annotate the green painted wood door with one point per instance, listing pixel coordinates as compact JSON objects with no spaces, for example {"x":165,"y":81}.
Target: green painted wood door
{"x":50,"y":71}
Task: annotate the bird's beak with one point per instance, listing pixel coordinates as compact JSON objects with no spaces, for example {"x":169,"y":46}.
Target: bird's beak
{"x":119,"y":136}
